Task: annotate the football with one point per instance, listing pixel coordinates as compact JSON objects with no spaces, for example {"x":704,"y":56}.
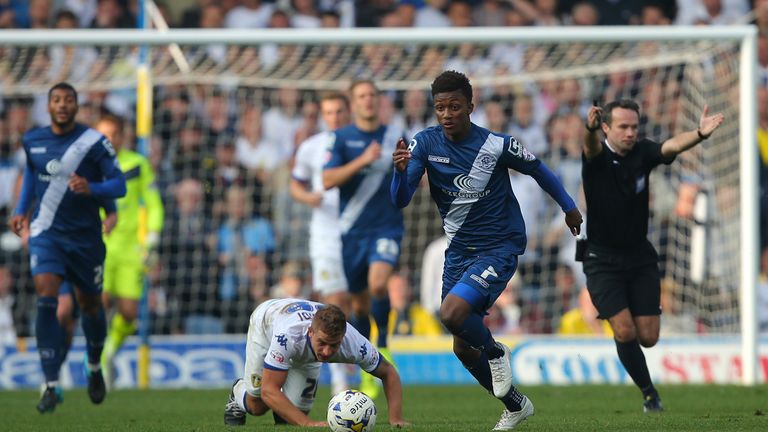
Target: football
{"x":351,"y":411}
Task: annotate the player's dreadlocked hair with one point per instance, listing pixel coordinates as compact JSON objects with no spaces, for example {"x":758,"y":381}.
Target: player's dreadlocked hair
{"x":450,"y":81}
{"x":62,"y":86}
{"x":330,"y":320}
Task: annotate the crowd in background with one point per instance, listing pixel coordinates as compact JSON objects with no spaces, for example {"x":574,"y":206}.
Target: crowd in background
{"x":233,"y":236}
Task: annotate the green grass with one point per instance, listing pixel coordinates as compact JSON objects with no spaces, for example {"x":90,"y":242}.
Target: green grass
{"x":433,"y":408}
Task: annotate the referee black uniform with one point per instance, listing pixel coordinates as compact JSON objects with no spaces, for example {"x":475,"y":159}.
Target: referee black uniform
{"x":620,"y":263}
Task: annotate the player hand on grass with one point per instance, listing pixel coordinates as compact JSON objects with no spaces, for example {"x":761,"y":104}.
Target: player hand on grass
{"x":573,"y":219}
{"x":708,"y":124}
{"x":401,"y":156}
{"x":79,"y":185}
{"x":17,"y":224}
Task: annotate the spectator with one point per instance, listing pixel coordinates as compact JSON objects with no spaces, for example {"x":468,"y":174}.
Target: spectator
{"x":291,"y":283}
{"x":525,"y":127}
{"x":431,"y":282}
{"x":490,"y":13}
{"x":416,"y":113}
{"x":408,"y":317}
{"x":762,"y":142}
{"x":185,"y":253}
{"x":69,"y":62}
{"x":582,"y":320}
{"x":282,"y":121}
{"x":250,"y":14}
{"x":305,"y":14}
{"x":260,"y":156}
{"x":7,"y":328}
{"x":584,"y":14}
{"x":432,"y":15}
{"x":460,"y":14}
{"x":762,"y":292}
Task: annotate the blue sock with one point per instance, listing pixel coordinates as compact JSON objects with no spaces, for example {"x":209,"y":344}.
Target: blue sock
{"x":478,"y":336}
{"x":65,"y":346}
{"x":95,"y":329}
{"x":361,"y":323}
{"x":482,"y":373}
{"x":48,"y":333}
{"x":380,"y":310}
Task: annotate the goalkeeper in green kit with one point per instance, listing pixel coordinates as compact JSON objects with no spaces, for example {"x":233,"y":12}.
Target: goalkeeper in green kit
{"x":130,"y":243}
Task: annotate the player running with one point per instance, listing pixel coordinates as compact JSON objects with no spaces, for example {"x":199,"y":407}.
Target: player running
{"x":467,"y":170}
{"x":70,"y":169}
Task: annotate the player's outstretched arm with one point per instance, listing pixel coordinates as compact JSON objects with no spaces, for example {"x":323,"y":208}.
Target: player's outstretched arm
{"x":393,"y":389}
{"x":682,"y":142}
{"x":271,"y":385}
{"x":552,"y":185}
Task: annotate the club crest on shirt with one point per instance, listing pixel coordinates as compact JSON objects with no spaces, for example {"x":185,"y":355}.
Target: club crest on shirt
{"x":256,"y":380}
{"x":486,"y":161}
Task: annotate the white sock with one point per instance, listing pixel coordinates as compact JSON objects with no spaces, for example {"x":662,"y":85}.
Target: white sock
{"x":52,"y":384}
{"x":239,"y":392}
{"x":338,"y":376}
{"x":94,"y":367}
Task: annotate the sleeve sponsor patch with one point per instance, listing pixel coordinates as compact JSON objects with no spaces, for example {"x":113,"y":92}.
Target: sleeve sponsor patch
{"x":518,"y":150}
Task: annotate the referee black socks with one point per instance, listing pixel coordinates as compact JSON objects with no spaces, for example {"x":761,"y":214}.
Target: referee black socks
{"x":633,"y":359}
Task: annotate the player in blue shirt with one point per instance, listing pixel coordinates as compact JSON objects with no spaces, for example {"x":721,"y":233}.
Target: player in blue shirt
{"x":467,"y":167}
{"x":71,"y":169}
{"x":371,"y":227}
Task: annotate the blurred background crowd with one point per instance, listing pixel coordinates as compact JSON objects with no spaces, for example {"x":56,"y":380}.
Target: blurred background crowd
{"x":222,"y":153}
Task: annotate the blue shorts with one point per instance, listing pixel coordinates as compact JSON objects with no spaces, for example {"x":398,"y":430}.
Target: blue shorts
{"x":487,"y":273}
{"x":81,"y":265}
{"x":359,"y":251}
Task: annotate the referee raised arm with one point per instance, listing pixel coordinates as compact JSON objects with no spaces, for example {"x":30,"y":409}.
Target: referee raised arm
{"x":620,"y":263}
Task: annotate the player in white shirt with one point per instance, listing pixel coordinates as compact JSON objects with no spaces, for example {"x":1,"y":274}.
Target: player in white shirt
{"x":306,"y":186}
{"x":287,"y":341}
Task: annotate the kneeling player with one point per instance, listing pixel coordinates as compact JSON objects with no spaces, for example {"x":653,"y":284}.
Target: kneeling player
{"x":287,"y":341}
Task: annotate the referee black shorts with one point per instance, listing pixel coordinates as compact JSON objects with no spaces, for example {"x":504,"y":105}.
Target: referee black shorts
{"x":618,"y":279}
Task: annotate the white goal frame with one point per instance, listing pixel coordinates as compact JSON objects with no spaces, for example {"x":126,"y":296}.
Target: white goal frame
{"x":744,"y":34}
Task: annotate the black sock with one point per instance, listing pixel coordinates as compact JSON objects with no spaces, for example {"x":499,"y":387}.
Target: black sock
{"x":632,"y":358}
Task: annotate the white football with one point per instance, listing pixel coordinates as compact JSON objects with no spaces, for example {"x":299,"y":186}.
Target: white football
{"x":351,"y":411}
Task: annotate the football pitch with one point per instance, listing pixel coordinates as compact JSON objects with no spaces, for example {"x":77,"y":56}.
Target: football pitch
{"x":430,"y":408}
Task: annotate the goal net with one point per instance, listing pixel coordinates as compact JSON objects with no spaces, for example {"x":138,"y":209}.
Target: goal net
{"x":228,"y":118}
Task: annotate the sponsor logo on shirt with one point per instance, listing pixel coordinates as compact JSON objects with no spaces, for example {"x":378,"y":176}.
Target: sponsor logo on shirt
{"x":356,"y":143}
{"x":38,"y":150}
{"x":277,"y":356}
{"x":466,"y":188}
{"x":439,"y":159}
{"x":53,"y":167}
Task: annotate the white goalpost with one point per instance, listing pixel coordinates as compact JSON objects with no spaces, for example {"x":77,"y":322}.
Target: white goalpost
{"x":709,"y":258}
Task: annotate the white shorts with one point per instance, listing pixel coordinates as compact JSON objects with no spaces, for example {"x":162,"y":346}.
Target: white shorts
{"x":328,"y":274}
{"x":300,"y":386}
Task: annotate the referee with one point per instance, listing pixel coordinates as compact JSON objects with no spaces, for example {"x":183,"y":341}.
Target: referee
{"x":619,"y":261}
